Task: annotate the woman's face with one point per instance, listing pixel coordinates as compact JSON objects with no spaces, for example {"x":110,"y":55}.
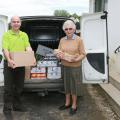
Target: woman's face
{"x":69,"y":31}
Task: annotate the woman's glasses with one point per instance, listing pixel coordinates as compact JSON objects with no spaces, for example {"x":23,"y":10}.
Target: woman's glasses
{"x":66,"y":29}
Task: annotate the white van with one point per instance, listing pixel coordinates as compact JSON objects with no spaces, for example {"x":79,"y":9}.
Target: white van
{"x":47,"y":31}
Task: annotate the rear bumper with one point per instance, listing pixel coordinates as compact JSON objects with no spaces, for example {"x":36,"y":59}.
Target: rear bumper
{"x":43,"y":85}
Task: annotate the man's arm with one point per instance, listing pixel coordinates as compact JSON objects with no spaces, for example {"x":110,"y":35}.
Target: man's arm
{"x":29,"y":48}
{"x":9,"y":60}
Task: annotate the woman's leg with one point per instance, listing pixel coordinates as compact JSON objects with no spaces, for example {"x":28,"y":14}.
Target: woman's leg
{"x":74,"y":101}
{"x":73,"y":109}
{"x":66,"y":74}
{"x":65,"y":71}
{"x":67,"y":100}
{"x":75,"y":77}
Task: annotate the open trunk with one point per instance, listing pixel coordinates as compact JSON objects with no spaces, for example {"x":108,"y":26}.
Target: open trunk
{"x":45,"y":31}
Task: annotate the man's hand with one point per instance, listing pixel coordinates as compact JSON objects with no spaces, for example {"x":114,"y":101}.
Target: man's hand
{"x":29,"y":48}
{"x":11,"y":63}
{"x":34,"y":61}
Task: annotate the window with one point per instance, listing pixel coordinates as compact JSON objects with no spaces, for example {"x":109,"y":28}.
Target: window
{"x":45,"y":33}
{"x":100,"y":5}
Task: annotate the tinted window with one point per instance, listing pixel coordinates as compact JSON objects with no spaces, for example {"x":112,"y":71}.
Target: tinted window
{"x":44,"y":33}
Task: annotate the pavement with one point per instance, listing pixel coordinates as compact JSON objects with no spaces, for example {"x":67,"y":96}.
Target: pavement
{"x":92,"y":105}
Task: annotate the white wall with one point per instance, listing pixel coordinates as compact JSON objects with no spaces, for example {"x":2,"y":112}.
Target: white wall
{"x":114,"y":24}
{"x":3,"y":28}
{"x":91,"y":6}
{"x":114,"y":34}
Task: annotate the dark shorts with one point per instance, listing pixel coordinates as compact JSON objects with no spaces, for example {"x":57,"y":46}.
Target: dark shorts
{"x":71,"y":76}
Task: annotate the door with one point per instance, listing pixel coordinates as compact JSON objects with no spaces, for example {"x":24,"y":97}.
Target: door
{"x":3,"y":28}
{"x":93,"y":33}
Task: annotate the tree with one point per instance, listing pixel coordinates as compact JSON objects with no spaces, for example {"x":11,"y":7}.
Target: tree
{"x":61,"y":13}
{"x":66,"y":14}
{"x":75,"y":16}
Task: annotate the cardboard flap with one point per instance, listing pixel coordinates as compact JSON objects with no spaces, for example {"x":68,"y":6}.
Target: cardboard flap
{"x":43,"y":50}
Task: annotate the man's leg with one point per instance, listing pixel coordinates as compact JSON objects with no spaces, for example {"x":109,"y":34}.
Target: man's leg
{"x":8,"y":88}
{"x":18,"y":88}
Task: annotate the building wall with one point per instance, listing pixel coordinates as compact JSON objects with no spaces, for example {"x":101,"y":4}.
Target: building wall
{"x":114,"y":34}
{"x":91,"y":6}
{"x":113,"y":24}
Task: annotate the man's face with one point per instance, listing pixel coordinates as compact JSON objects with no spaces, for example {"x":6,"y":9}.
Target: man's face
{"x":15,"y":23}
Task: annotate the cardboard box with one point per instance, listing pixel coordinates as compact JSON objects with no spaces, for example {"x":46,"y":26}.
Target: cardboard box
{"x":46,"y":63}
{"x":25,"y":58}
{"x":38,"y":73}
{"x":38,"y":70}
{"x":27,"y":72}
{"x":54,"y":73}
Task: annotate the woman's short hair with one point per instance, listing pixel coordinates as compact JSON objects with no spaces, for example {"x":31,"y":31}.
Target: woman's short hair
{"x":69,"y":23}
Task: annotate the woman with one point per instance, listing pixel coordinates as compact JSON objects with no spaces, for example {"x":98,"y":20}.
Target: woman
{"x":71,"y":52}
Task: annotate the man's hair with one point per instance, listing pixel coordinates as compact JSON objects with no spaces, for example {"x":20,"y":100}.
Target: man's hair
{"x":14,"y":17}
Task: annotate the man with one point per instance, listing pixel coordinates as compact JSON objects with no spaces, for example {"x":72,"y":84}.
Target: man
{"x":14,"y":40}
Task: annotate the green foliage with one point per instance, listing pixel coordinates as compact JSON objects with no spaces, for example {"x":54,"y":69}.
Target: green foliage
{"x":74,"y":16}
{"x":61,"y":13}
{"x":66,"y":14}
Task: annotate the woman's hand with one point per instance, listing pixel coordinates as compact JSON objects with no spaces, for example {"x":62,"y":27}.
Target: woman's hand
{"x":60,"y":55}
{"x":75,"y":58}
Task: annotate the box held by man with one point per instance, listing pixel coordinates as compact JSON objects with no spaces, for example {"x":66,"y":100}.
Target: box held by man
{"x":25,"y":58}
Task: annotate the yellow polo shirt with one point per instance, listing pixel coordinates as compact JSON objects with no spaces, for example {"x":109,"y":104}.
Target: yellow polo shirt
{"x":15,"y":42}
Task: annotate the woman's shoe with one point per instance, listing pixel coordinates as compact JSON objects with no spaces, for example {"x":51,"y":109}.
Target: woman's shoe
{"x":72,"y":111}
{"x":63,"y":107}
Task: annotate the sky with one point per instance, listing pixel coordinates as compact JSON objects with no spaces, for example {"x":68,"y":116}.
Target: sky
{"x":42,"y":7}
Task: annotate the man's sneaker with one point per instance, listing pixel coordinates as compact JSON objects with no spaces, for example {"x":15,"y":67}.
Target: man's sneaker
{"x":6,"y":110}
